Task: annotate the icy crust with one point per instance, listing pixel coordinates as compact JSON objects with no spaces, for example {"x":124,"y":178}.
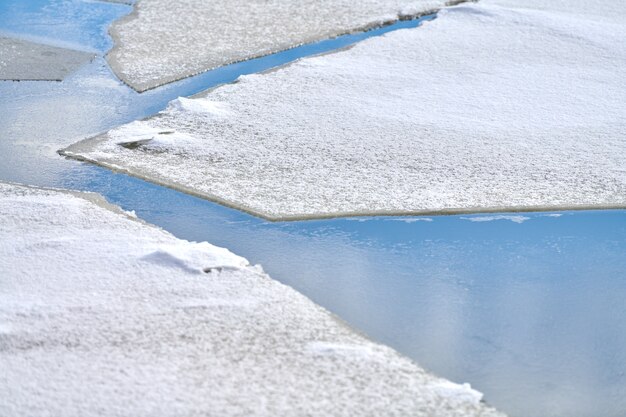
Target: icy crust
{"x":101,"y":314}
{"x":600,"y":10}
{"x":163,"y":40}
{"x":22,"y":60}
{"x":483,"y":109}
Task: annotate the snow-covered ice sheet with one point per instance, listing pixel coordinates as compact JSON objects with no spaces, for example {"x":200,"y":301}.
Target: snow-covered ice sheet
{"x":163,"y":40}
{"x":21,"y":60}
{"x":600,"y":10}
{"x":483,"y":109}
{"x":102,"y":314}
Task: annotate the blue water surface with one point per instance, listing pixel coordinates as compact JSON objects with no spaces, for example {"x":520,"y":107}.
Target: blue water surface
{"x":529,"y":308}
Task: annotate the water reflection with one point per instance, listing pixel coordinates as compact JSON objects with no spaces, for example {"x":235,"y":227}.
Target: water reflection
{"x":528,"y":308}
{"x":531,"y":312}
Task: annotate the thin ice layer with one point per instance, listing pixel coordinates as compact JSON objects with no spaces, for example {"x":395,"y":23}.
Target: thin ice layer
{"x":163,"y":40}
{"x":104,"y":315}
{"x":483,"y":109}
{"x":22,"y":60}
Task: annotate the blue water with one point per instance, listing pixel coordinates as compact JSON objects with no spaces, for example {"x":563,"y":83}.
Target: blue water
{"x":531,"y":312}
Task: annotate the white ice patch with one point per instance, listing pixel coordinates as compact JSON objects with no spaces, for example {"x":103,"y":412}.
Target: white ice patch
{"x":131,"y":213}
{"x":196,"y":257}
{"x":135,"y":131}
{"x":461,"y":392}
{"x":514,"y":219}
{"x":142,"y":135}
{"x":176,"y":142}
{"x":412,"y":219}
{"x":183,"y":104}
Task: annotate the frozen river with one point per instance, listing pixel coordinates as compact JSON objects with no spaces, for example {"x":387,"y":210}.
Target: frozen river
{"x":529,"y":308}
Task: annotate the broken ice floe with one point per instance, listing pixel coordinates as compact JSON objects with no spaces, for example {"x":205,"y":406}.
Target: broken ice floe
{"x":484,"y":109}
{"x":89,"y":320}
{"x":163,"y":41}
{"x":22,"y":60}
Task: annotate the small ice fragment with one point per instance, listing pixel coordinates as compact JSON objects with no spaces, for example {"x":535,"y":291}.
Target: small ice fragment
{"x":461,"y":392}
{"x":183,"y":104}
{"x":196,"y":257}
{"x":514,"y":219}
{"x":412,"y":219}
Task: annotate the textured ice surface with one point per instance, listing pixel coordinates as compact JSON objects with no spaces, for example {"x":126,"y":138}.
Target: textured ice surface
{"x":24,"y":60}
{"x":164,"y":40}
{"x":600,"y":10}
{"x":101,"y":314}
{"x":485,"y":108}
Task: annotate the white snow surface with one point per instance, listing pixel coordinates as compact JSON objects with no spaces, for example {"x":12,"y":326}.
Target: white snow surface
{"x":596,"y":10}
{"x":486,"y":108}
{"x":164,"y":40}
{"x":104,"y":315}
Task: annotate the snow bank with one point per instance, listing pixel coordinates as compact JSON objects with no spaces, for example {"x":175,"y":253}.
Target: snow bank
{"x":163,"y":40}
{"x":483,"y":109}
{"x":22,"y":60}
{"x":102,"y":314}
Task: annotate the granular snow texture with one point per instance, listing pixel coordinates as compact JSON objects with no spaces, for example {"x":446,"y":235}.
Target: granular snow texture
{"x":483,"y":109}
{"x":163,"y":40}
{"x":22,"y":60}
{"x":104,"y":315}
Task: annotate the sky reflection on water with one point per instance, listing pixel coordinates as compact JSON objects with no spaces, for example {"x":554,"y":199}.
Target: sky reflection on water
{"x":528,"y":307}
